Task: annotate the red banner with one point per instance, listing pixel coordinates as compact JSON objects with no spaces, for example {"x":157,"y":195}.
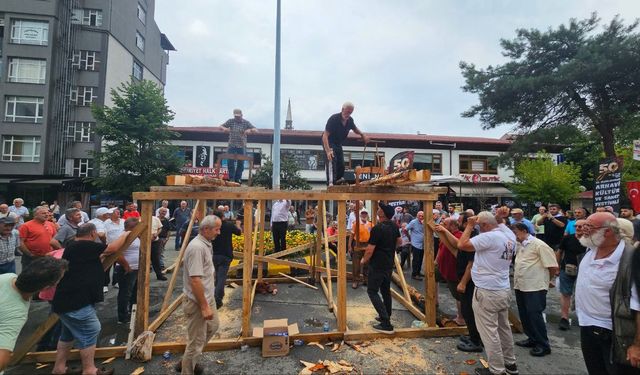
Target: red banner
{"x":633,"y":191}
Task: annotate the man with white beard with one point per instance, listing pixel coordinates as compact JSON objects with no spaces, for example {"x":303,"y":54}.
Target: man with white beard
{"x":604,"y":280}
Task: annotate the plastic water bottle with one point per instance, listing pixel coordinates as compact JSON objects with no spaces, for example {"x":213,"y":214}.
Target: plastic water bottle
{"x":325,"y":326}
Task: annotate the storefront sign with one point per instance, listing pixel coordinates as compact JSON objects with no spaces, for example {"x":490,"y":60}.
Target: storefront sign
{"x":212,"y":172}
{"x":203,"y":156}
{"x":608,"y":184}
{"x":401,"y":161}
{"x":477,"y":178}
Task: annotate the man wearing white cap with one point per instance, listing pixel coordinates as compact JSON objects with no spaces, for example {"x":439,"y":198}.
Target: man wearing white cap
{"x":99,"y":220}
{"x":238,"y":128}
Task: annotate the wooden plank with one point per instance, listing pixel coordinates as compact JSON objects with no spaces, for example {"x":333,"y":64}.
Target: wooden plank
{"x":253,"y":291}
{"x":144,"y":263}
{"x":332,"y":304}
{"x":431,"y":299}
{"x":298,"y":281}
{"x":166,"y":313}
{"x":132,"y":328}
{"x":292,"y":250}
{"x":247,"y":270}
{"x":403,"y":282}
{"x":292,"y":264}
{"x":174,"y":277}
{"x":35,"y":337}
{"x":342,"y":267}
{"x":263,"y":208}
{"x":408,"y":305}
{"x":394,"y":193}
{"x":235,"y":343}
{"x":325,"y":234}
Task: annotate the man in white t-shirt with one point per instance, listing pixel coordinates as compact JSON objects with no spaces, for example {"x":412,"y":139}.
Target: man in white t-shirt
{"x":495,"y":248}
{"x":165,"y":205}
{"x":127,"y":275}
{"x":102,"y":214}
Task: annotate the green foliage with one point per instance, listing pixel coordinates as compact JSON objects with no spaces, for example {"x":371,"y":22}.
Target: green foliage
{"x":568,"y":76}
{"x":630,"y":167}
{"x":290,"y":178}
{"x":540,"y":179}
{"x":136,"y":151}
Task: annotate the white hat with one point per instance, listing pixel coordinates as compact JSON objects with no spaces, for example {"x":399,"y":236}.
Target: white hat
{"x":111,"y":210}
{"x":101,"y":211}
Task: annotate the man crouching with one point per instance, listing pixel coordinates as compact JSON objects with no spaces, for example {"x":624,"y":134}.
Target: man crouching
{"x":380,"y":253}
{"x":199,"y":300}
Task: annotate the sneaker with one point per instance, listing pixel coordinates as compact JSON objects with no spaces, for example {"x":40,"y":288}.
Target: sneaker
{"x":469,"y":347}
{"x":386,"y":329}
{"x":219,"y":304}
{"x":482,"y":371}
{"x":512,"y":369}
{"x":464,"y":338}
{"x":539,"y":351}
{"x":198,"y":370}
{"x":105,"y":289}
{"x":564,"y":324}
{"x":526,"y":343}
{"x":162,"y":278}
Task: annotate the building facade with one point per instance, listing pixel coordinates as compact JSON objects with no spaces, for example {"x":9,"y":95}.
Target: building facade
{"x":467,"y":165}
{"x":57,"y":58}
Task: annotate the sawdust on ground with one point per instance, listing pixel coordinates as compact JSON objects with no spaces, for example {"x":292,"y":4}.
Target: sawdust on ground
{"x":402,"y":356}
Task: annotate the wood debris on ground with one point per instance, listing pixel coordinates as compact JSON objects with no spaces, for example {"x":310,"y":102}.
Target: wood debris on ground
{"x":41,"y":365}
{"x":109,"y":360}
{"x":315,"y":343}
{"x":326,"y":366}
{"x":138,"y":371}
{"x":484,"y":363}
{"x":220,"y":362}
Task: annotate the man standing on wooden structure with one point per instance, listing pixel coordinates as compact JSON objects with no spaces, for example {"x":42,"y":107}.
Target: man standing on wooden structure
{"x":279,"y":223}
{"x":335,"y":133}
{"x":199,"y":299}
{"x":380,"y":253}
{"x":238,"y":128}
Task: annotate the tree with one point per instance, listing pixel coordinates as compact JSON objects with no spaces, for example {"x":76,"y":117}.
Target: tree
{"x":565,"y":76}
{"x":136,"y":150}
{"x":290,"y":178}
{"x":539,"y":179}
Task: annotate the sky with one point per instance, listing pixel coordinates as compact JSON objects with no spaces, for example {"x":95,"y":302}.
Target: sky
{"x":396,"y":60}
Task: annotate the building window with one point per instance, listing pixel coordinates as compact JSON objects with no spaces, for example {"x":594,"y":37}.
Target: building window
{"x":431,"y":162}
{"x":142,"y":14}
{"x":23,"y":109}
{"x":308,"y":160}
{"x":30,"y":32}
{"x":27,"y":70}
{"x":478,"y":164}
{"x":88,"y":17}
{"x":353,"y":159}
{"x":85,"y":60}
{"x":82,"y":167}
{"x":186,"y":153}
{"x":20,"y":148}
{"x":256,"y":153}
{"x":80,"y":131}
{"x":137,"y":71}
{"x":139,"y":41}
{"x":82,"y":95}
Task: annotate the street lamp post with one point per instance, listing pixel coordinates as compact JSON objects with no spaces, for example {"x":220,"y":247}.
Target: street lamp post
{"x":275,"y":152}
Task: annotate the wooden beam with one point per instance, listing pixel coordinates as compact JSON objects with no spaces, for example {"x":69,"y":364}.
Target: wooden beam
{"x":429,"y":266}
{"x":298,"y":281}
{"x":178,"y":263}
{"x":325,"y":234}
{"x":292,"y":264}
{"x":247,"y":270}
{"x":342,"y":267}
{"x":144,"y":263}
{"x":253,"y":291}
{"x":403,"y":282}
{"x":369,"y":193}
{"x":332,"y":306}
{"x":408,"y":304}
{"x":408,"y":333}
{"x":292,"y":250}
{"x":262,"y":206}
{"x":166,"y":313}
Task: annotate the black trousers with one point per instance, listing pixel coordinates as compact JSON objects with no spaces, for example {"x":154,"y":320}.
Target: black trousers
{"x":436,"y":246}
{"x":127,"y":292}
{"x":221,"y":264}
{"x":156,"y":254}
{"x":416,"y":265}
{"x":466,"y":301}
{"x":279,"y":233}
{"x":530,"y":307}
{"x":379,"y":283}
{"x":405,"y":252}
{"x":337,"y":163}
{"x":595,"y":343}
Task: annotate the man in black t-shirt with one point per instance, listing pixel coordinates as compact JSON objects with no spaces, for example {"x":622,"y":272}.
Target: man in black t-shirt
{"x":335,"y":133}
{"x":554,"y":223}
{"x":77,"y":293}
{"x":568,"y":252}
{"x":223,"y":253}
{"x":380,"y":253}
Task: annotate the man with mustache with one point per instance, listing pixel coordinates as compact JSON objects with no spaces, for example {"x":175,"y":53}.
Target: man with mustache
{"x":603,"y":293}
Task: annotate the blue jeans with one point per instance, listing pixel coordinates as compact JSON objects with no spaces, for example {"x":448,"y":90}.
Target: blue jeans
{"x":9,"y":267}
{"x":530,"y":307}
{"x":221,"y":264}
{"x":81,"y":325}
{"x":235,"y":167}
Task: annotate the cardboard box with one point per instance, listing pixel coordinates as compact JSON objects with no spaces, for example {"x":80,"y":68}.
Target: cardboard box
{"x":275,"y":336}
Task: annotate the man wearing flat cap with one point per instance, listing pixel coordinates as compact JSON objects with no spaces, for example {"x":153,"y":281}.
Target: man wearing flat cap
{"x":238,"y":128}
{"x":9,"y":242}
{"x":517,"y":216}
{"x":380,"y":253}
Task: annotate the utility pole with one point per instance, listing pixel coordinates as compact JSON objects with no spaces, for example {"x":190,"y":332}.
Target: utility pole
{"x":275,"y":151}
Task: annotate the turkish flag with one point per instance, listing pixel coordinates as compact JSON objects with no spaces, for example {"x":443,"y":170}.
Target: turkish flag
{"x":633,"y":191}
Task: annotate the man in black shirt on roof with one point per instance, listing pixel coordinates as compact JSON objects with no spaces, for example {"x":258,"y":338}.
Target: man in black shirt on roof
{"x":335,"y":133}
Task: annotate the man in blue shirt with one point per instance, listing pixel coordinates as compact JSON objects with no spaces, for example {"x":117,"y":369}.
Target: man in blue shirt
{"x":416,"y":234}
{"x":517,"y":216}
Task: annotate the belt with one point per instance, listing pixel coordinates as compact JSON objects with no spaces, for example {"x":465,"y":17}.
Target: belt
{"x":599,"y":330}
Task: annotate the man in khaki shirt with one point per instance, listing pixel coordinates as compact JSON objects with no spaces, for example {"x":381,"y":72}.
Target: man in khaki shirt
{"x":199,"y":301}
{"x":535,"y":265}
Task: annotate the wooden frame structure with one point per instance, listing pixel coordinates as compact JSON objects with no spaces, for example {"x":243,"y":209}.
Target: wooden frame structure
{"x":252,"y":231}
